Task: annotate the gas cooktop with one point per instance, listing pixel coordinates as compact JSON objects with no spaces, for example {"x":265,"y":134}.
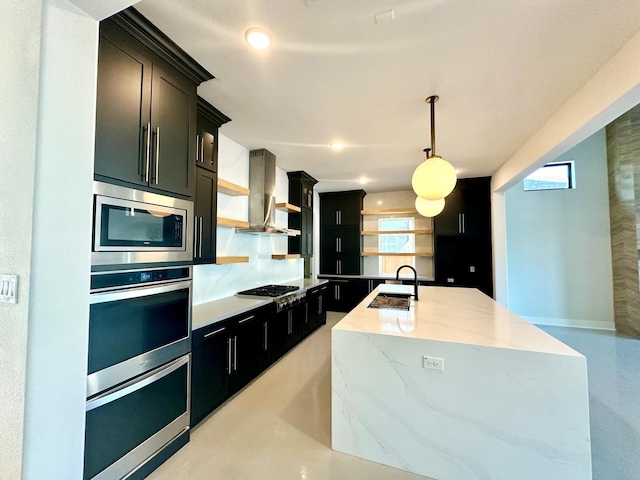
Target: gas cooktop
{"x":269,"y":291}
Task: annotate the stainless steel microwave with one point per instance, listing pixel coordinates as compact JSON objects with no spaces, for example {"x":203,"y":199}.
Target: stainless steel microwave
{"x":135,"y":227}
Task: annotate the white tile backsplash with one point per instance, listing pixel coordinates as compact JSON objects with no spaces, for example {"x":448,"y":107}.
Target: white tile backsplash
{"x":212,"y":282}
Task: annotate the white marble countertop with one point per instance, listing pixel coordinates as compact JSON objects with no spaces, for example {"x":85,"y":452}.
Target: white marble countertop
{"x":452,"y":314}
{"x":208,"y":313}
{"x":376,"y":277}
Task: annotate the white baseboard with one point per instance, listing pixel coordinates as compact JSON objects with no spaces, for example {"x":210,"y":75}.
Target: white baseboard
{"x":570,"y":322}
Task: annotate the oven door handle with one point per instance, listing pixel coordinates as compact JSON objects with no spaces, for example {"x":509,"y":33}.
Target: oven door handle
{"x":136,"y":384}
{"x":112,"y":296}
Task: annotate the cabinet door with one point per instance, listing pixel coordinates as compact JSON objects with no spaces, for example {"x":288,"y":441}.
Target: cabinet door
{"x":278,"y":330}
{"x":322,"y":305}
{"x":122,"y":112}
{"x":350,"y":264}
{"x":306,"y":237}
{"x":246,"y":350}
{"x":209,"y":371}
{"x":205,"y":217}
{"x":475,"y":206}
{"x":329,"y":207}
{"x":207,"y":145}
{"x":305,"y":319}
{"x":173,"y":116}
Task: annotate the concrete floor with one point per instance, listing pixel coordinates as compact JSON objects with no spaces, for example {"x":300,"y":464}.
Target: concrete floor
{"x":279,"y":427}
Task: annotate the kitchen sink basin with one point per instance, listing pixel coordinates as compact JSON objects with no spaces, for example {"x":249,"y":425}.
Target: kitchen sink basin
{"x":391,"y":301}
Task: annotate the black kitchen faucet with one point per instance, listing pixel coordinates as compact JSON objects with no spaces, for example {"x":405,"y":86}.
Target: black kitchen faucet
{"x":415,"y":279}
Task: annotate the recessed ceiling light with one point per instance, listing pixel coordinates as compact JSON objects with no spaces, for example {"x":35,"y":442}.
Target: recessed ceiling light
{"x":379,"y":202}
{"x":258,"y":38}
{"x":337,"y":145}
{"x":458,"y":171}
{"x":362,"y":180}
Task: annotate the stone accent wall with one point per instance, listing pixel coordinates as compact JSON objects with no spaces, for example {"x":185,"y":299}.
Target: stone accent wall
{"x":623,"y":158}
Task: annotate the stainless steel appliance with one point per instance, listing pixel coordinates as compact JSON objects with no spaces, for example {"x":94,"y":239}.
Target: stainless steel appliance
{"x":127,"y":427}
{"x":135,"y":227}
{"x":138,"y":382}
{"x":262,"y":200}
{"x":284,"y":296}
{"x":138,"y":320}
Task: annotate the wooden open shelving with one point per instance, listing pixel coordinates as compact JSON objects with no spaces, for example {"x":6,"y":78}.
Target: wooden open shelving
{"x":425,"y":231}
{"x":388,"y":211}
{"x":403,"y":254}
{"x":231,"y":223}
{"x":226,"y":260}
{"x":287,"y":207}
{"x":232,"y":189}
{"x":285,"y":256}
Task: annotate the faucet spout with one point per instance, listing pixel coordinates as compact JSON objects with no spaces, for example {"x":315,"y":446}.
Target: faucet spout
{"x":415,"y":279}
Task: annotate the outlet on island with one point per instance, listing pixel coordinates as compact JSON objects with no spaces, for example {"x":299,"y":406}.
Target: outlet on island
{"x":433,"y":363}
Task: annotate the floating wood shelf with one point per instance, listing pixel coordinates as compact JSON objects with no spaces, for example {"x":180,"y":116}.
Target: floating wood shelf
{"x":231,"y":223}
{"x":297,"y":233}
{"x":232,"y":189}
{"x":226,"y":260}
{"x":287,"y":207}
{"x":405,"y":254}
{"x":393,"y":232}
{"x":388,"y":211}
{"x":284,"y":256}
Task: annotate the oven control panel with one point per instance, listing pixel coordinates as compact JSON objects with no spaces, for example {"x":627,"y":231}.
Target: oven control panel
{"x":290,"y":301}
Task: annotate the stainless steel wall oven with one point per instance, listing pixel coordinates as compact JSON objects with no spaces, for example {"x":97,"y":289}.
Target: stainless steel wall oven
{"x":138,"y":381}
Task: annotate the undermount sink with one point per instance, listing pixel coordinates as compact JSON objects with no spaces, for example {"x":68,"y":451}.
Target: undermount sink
{"x":391,"y":301}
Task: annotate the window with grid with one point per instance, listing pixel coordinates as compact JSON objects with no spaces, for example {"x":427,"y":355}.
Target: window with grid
{"x":396,"y":241}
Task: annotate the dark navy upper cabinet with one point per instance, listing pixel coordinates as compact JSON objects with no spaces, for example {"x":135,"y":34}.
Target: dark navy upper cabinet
{"x":146,"y":107}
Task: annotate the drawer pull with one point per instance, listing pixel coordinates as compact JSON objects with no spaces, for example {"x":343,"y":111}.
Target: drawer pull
{"x":214,"y":332}
{"x":246,"y":319}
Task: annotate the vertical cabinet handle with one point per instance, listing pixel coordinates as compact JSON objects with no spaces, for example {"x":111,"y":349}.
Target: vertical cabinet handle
{"x":195,"y":236}
{"x":235,"y":353}
{"x":200,"y":234}
{"x":157,"y":154}
{"x":337,"y":245}
{"x":464,"y":230}
{"x":337,"y":218}
{"x":265,"y":336}
{"x":202,"y":149}
{"x":198,"y":148}
{"x":148,"y":154}
{"x":337,"y":292}
{"x":229,"y":355}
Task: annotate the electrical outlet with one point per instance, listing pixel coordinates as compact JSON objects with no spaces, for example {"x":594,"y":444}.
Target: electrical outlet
{"x":451,"y":280}
{"x":433,"y":363}
{"x":472,"y":269}
{"x":8,"y":288}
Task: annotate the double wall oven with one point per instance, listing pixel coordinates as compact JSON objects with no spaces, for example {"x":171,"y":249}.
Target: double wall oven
{"x":138,"y":378}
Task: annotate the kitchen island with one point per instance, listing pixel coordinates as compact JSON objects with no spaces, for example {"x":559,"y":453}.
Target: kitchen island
{"x":458,"y":387}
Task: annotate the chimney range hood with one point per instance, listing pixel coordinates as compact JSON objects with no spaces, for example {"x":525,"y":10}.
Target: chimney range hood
{"x":262,"y":200}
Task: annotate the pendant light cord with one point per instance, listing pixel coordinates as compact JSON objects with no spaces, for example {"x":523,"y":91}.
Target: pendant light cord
{"x":432,"y":100}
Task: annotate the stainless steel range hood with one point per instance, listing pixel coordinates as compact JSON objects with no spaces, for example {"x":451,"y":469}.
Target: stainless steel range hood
{"x":262,"y":200}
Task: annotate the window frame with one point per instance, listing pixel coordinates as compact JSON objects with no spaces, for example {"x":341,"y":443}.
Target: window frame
{"x":571,"y":181}
{"x":411,"y":223}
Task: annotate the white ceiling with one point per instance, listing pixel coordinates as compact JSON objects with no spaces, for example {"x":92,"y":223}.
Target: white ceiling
{"x":501,"y":70}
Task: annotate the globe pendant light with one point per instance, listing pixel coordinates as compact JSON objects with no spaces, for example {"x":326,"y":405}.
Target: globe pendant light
{"x":435,"y":178}
{"x":429,"y":208}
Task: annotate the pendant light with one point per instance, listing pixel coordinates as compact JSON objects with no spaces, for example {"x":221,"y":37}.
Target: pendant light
{"x":434,"y":178}
{"x":429,"y":208}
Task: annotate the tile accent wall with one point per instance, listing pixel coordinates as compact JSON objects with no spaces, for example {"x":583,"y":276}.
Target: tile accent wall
{"x":623,"y":158}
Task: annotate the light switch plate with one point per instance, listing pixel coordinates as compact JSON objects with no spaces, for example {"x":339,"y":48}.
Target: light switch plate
{"x":8,"y":288}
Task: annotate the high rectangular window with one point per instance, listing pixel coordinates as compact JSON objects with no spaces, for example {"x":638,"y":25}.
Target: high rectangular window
{"x":553,"y":176}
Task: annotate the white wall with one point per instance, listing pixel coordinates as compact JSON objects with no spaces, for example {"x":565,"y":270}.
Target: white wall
{"x":60,"y":262}
{"x":20,"y":60}
{"x":212,"y":282}
{"x":559,"y":245}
